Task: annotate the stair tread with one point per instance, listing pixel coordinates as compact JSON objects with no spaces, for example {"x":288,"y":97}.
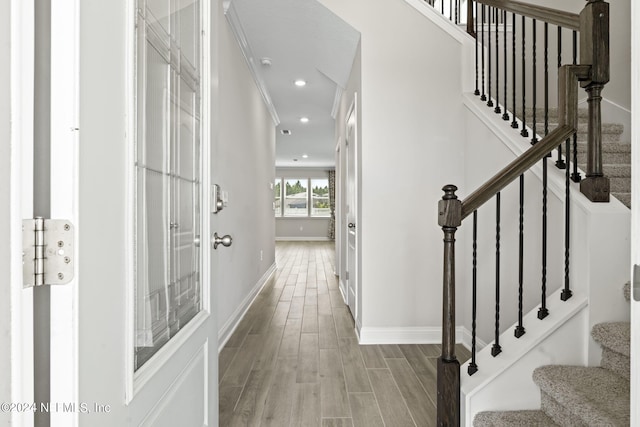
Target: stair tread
{"x":609,"y":147}
{"x":594,"y":395}
{"x":615,"y":336}
{"x":512,"y":418}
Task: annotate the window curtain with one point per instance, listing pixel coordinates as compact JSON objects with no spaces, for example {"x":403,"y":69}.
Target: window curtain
{"x":332,"y":204}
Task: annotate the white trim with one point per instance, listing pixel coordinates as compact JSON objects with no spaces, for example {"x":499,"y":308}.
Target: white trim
{"x":154,"y":365}
{"x":238,"y":31}
{"x":336,"y":102}
{"x":20,"y":125}
{"x":405,"y":335}
{"x":230,"y":325}
{"x":635,"y":212}
{"x":466,"y":339}
{"x":65,"y":80}
{"x":303,"y":239}
{"x":131,"y":137}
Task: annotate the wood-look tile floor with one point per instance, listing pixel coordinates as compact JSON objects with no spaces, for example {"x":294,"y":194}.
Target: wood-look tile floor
{"x":294,"y":359}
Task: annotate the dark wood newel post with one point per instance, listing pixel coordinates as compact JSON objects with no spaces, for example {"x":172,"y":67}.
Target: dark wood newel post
{"x":449,"y":218}
{"x":594,"y":51}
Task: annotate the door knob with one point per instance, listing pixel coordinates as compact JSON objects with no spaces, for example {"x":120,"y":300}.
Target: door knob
{"x":351,"y":225}
{"x":224,"y":240}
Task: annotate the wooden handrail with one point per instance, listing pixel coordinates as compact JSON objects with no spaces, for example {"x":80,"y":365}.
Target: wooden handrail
{"x":545,"y":14}
{"x":515,"y":169}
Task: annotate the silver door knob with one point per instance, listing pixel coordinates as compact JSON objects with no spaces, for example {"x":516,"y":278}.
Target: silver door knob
{"x":224,"y":240}
{"x":351,"y":225}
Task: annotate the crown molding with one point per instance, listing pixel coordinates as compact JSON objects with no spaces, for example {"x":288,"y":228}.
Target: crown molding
{"x":236,"y":26}
{"x":336,"y":101}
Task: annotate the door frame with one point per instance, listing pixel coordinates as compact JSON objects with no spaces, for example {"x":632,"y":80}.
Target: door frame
{"x":16,"y":358}
{"x":354,"y":276}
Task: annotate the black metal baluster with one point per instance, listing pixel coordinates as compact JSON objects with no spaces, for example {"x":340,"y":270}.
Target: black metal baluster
{"x":489,"y":100}
{"x":442,"y":8}
{"x":496,"y":349}
{"x":505,"y":115}
{"x":560,"y":163}
{"x":534,"y":76}
{"x":543,"y":311}
{"x":575,"y":176}
{"x":484,"y":96}
{"x":524,"y":132}
{"x":450,"y":10}
{"x":566,"y":292}
{"x":519,"y":331}
{"x":457,"y":3}
{"x":473,"y":367}
{"x":477,"y":92}
{"x":514,"y":122}
{"x":497,"y":110}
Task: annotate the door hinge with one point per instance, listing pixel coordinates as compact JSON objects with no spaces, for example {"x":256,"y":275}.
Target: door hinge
{"x":47,"y":252}
{"x":346,"y":274}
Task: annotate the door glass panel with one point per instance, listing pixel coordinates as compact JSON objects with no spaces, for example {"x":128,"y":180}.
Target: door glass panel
{"x":168,"y":290}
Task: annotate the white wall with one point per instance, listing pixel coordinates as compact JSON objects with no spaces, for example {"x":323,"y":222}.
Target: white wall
{"x":409,"y":136}
{"x":243,"y":165}
{"x":305,"y":228}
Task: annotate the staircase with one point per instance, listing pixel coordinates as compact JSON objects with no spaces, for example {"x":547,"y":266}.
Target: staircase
{"x":616,"y":155}
{"x":578,"y":395}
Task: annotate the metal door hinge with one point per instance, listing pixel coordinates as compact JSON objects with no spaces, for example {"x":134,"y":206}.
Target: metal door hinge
{"x":47,"y":252}
{"x":346,"y":273}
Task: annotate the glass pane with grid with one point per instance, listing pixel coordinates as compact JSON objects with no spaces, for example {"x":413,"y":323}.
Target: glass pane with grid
{"x":168,"y":258}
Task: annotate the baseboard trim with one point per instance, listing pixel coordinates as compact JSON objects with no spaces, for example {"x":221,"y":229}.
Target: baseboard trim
{"x":303,"y":239}
{"x":407,"y":335}
{"x":230,"y":325}
{"x":466,"y":339}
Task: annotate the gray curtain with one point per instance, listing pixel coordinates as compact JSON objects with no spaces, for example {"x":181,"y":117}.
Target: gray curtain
{"x":332,"y":204}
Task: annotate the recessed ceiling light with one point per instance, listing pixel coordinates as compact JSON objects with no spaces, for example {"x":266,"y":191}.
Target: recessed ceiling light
{"x":300,"y":83}
{"x":304,"y":156}
{"x":304,"y":119}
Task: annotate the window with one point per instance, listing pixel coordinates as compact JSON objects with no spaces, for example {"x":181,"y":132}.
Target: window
{"x":302,"y":197}
{"x":168,"y":174}
{"x":277,"y":190}
{"x":320,"y":197}
{"x":295,"y":197}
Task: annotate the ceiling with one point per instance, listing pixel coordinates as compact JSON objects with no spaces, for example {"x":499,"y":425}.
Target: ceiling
{"x":302,"y":40}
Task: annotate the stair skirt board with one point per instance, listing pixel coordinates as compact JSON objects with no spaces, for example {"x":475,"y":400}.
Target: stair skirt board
{"x":505,"y":382}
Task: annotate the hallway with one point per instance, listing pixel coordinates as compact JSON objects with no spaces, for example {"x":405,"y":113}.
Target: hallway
{"x":294,"y":360}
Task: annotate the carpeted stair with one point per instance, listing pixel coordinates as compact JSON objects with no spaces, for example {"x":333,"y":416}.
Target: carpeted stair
{"x":579,"y":395}
{"x":616,"y":155}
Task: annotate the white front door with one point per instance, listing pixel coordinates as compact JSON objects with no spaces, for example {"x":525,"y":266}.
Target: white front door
{"x":133,"y":336}
{"x":351,"y":214}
